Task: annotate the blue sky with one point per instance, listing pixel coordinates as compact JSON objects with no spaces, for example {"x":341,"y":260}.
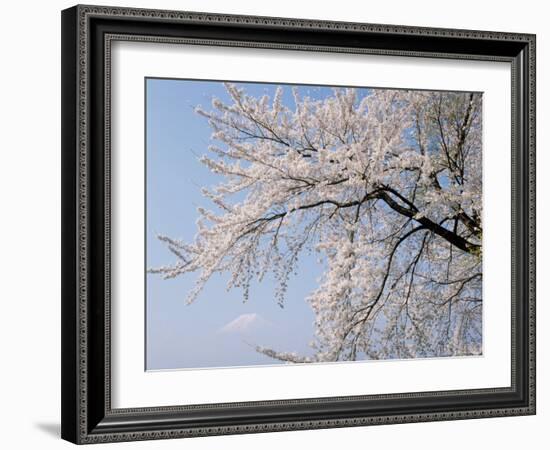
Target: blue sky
{"x":218,"y":329}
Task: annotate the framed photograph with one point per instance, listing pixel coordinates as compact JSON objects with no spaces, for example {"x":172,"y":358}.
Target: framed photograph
{"x":279,"y":224}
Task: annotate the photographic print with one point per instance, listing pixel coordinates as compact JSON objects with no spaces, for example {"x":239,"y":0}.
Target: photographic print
{"x":294,"y":224}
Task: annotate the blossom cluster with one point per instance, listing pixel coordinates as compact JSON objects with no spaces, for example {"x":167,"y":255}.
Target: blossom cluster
{"x":386,"y":188}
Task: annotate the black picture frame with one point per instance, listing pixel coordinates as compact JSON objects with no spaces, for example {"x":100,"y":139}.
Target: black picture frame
{"x":87,"y":416}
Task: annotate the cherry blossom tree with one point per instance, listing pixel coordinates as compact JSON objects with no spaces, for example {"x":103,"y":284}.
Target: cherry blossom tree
{"x":384,"y":187}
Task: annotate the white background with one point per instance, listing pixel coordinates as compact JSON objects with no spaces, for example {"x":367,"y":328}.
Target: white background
{"x":30,"y":223}
{"x":133,"y":387}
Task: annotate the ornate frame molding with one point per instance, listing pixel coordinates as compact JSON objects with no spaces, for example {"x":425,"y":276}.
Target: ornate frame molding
{"x":84,"y":32}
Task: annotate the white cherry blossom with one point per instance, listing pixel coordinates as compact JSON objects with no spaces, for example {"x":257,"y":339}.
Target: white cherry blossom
{"x":386,"y":188}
